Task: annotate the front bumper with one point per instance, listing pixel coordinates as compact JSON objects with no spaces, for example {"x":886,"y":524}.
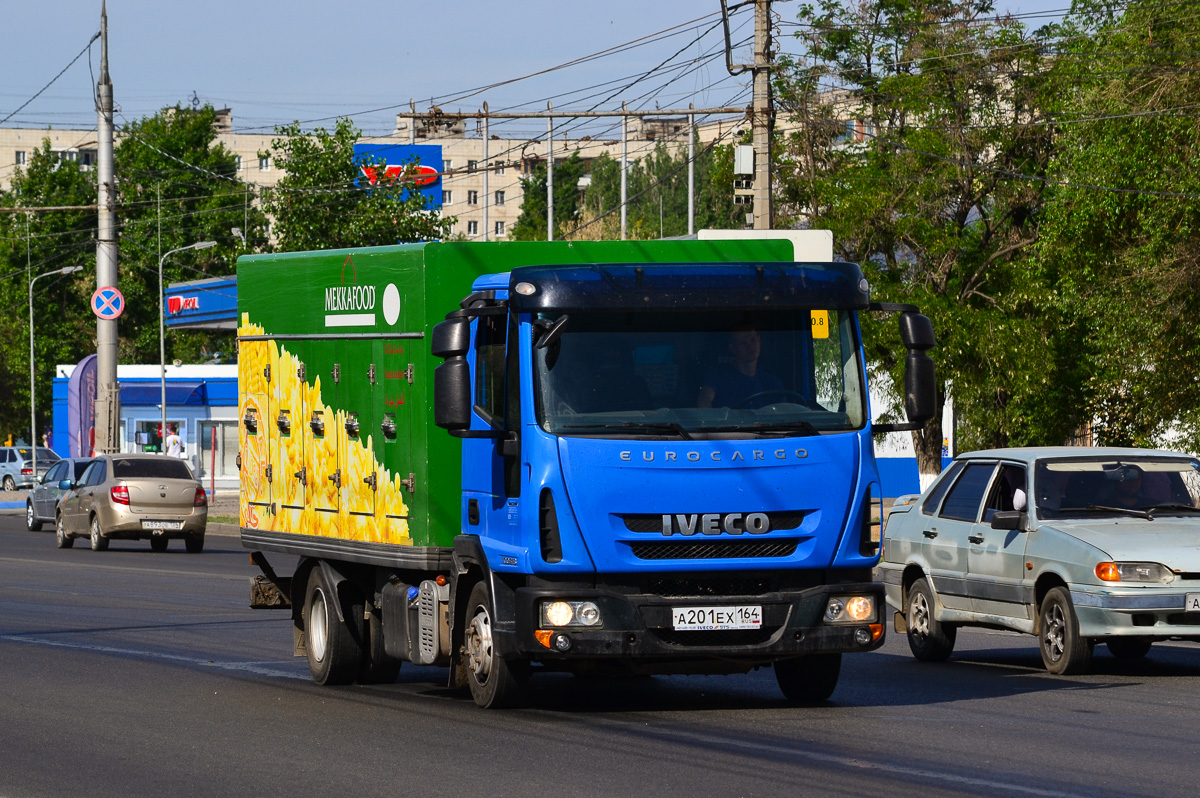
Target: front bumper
{"x":1152,"y":612}
{"x":639,"y":626}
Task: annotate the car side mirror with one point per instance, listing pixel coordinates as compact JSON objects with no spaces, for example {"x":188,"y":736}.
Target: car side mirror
{"x":65,"y":484}
{"x":1009,"y":519}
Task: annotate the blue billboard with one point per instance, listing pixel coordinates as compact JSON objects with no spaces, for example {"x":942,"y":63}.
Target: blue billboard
{"x":428,"y":160}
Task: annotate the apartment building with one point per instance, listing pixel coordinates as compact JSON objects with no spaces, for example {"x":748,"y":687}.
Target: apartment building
{"x":478,"y":181}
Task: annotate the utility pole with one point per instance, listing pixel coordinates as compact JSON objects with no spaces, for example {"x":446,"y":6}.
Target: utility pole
{"x":762,"y":114}
{"x":108,"y":392}
{"x":763,"y":123}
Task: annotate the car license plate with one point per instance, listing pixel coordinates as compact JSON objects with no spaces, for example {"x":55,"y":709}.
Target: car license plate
{"x":1191,"y":603}
{"x":162,"y":525}
{"x":703,"y":619}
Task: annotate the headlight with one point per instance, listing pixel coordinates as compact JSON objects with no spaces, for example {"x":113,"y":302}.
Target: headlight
{"x":850,"y":609}
{"x":1134,"y":572}
{"x":570,"y":613}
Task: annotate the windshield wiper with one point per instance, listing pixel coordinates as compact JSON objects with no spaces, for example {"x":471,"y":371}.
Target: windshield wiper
{"x":1103,"y":508}
{"x":1186,"y":508}
{"x":764,"y":426}
{"x":645,"y":426}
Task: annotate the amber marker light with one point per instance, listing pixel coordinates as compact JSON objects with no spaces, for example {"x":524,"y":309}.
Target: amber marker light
{"x":876,"y":631}
{"x":1107,"y":572}
{"x":441,"y":580}
{"x":543,"y":636}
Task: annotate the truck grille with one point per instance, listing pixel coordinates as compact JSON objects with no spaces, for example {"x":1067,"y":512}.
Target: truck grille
{"x":641,"y":522}
{"x":713,"y":550}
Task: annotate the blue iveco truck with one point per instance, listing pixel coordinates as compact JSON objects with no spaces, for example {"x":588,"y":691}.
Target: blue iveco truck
{"x":594,"y":457}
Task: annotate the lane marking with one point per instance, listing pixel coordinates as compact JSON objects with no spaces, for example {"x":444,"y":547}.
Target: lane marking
{"x":256,"y":668}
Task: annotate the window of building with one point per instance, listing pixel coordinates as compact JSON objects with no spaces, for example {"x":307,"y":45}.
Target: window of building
{"x":472,"y":197}
{"x":472,"y":165}
{"x":237,"y":162}
{"x":499,"y":197}
{"x":447,"y":197}
{"x":499,"y":167}
{"x":264,"y":163}
{"x":20,"y":157}
{"x":87,"y":159}
{"x":226,"y":440}
{"x":499,"y":229}
{"x":447,"y":165}
{"x":472,"y":228}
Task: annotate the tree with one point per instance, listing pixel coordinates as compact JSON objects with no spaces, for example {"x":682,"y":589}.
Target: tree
{"x":915,"y":162}
{"x":531,"y":224}
{"x":324,"y":202}
{"x":32,"y":244}
{"x":1122,"y":236}
{"x":177,"y":185}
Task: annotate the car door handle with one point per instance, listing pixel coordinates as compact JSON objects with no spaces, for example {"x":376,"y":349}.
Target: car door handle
{"x":930,"y":533}
{"x":975,"y":538}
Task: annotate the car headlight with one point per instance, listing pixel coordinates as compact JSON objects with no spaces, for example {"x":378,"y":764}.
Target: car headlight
{"x":570,"y":613}
{"x":850,"y":609}
{"x":1134,"y":572}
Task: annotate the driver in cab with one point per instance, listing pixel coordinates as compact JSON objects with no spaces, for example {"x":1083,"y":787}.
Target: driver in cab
{"x":734,"y":384}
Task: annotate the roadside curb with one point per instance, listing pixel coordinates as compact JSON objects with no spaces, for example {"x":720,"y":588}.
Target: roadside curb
{"x":223,"y":530}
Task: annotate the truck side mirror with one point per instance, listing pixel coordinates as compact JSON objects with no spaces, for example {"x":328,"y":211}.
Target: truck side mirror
{"x":920,"y":377}
{"x":452,"y":380}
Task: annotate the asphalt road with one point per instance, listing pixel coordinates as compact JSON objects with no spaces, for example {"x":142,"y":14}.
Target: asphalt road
{"x":128,"y":673}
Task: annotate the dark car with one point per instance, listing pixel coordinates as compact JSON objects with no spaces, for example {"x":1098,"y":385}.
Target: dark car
{"x":43,"y":499}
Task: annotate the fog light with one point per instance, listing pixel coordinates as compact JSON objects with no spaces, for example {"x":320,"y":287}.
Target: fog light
{"x":561,"y":642}
{"x":862,"y":636}
{"x":557,"y":613}
{"x":860,"y":608}
{"x":834,"y":610}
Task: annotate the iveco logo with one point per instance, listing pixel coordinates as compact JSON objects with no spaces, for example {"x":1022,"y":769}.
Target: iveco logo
{"x":716,"y":523}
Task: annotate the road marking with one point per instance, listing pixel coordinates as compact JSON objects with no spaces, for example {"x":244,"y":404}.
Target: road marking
{"x":256,"y":668}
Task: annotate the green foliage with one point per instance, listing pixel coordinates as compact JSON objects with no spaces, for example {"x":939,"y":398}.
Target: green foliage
{"x":323,"y":202}
{"x":177,"y":186}
{"x":33,"y":244}
{"x":920,"y":193}
{"x":1122,"y":236}
{"x":656,"y":188}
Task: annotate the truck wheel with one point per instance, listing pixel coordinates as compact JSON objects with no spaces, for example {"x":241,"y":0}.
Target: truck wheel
{"x":376,"y":667}
{"x":1128,"y":647}
{"x":495,"y":682}
{"x":31,"y":520}
{"x":333,"y":653}
{"x":61,"y":539}
{"x":1063,"y":650}
{"x":99,"y":542}
{"x":929,"y":639}
{"x":194,"y":544}
{"x":810,"y":679}
{"x":158,"y":543}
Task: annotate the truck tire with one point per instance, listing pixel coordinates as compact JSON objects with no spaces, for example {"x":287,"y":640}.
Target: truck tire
{"x":810,"y":679}
{"x":376,"y":667}
{"x":333,"y":652}
{"x":495,"y":682}
{"x":194,"y":544}
{"x":929,"y":639}
{"x":1129,"y":647}
{"x":158,"y":543}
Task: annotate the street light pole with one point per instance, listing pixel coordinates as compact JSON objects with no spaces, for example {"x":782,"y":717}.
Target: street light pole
{"x":162,"y":341}
{"x":32,"y":384}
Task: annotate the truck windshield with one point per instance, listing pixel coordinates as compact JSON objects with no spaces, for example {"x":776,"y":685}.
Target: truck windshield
{"x":694,"y":374}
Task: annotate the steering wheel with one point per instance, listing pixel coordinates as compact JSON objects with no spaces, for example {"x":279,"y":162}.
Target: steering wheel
{"x":800,"y":398}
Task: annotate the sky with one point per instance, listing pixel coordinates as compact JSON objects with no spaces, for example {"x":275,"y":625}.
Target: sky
{"x":275,"y":61}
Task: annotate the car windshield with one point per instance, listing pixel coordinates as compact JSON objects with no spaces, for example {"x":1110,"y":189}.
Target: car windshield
{"x":151,"y":467}
{"x":1145,"y":487}
{"x":694,"y":374}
